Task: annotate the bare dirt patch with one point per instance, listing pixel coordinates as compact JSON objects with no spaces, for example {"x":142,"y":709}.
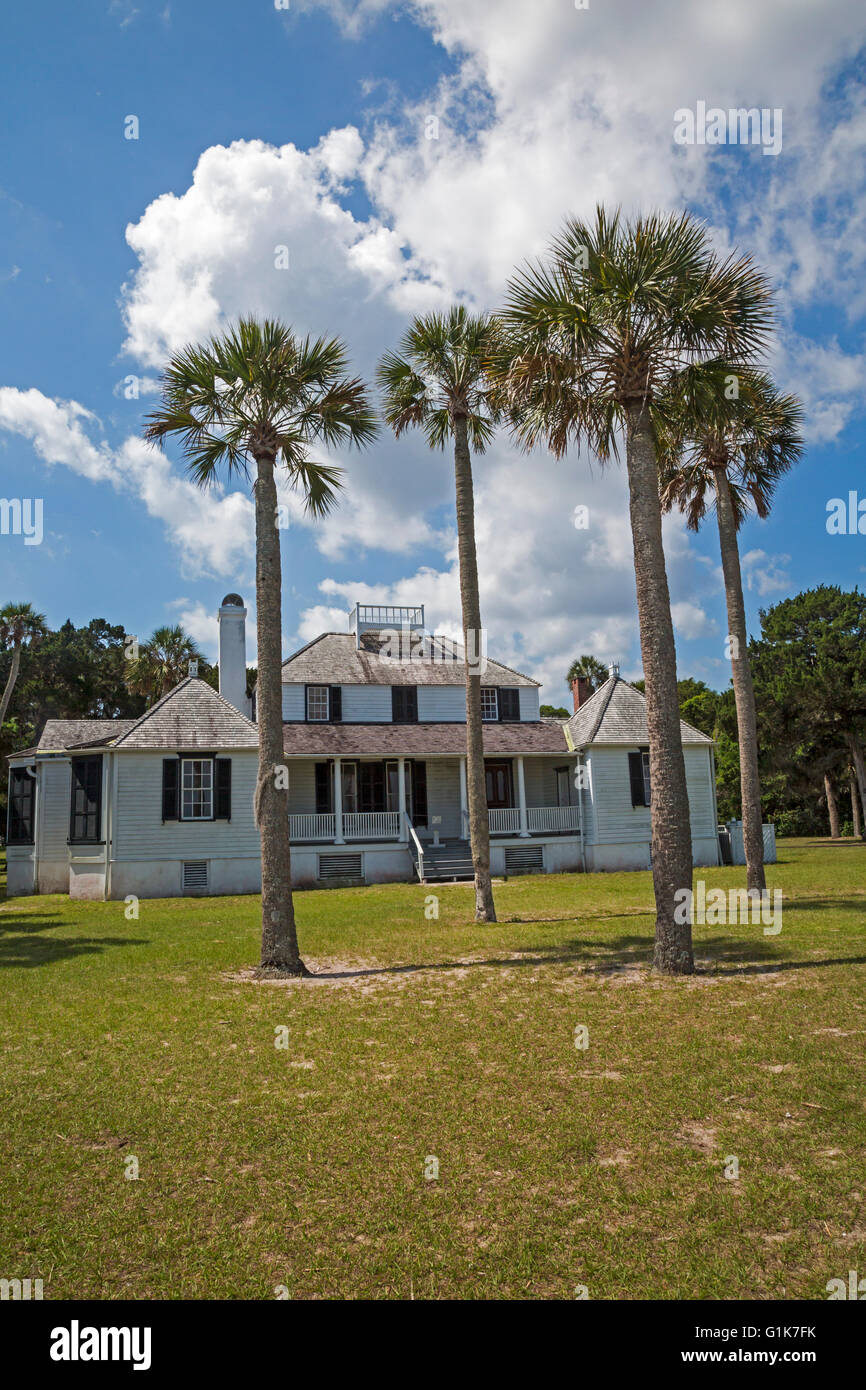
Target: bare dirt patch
{"x":698,"y":1136}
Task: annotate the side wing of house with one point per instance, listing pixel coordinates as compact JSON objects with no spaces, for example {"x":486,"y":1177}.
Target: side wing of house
{"x":617,"y":822}
{"x":170,"y":836}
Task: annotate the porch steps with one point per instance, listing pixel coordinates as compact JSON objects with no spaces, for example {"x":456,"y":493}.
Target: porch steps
{"x":449,"y":862}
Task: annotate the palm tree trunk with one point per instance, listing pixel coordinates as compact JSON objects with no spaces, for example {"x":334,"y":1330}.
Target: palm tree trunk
{"x":744,"y":693}
{"x":855,"y":805}
{"x":479,"y":827}
{"x":832,"y":807}
{"x":10,"y":682}
{"x":669,"y":811}
{"x":279,"y":938}
{"x":856,"y":751}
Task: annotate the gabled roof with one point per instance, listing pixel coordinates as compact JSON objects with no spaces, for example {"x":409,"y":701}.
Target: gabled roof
{"x":60,"y":734}
{"x":190,"y":716}
{"x":335,"y":659}
{"x":616,"y":713}
{"x":420,"y":740}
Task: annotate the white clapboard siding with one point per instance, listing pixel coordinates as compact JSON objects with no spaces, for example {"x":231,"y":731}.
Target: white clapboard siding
{"x":586,"y":801}
{"x":443,"y":795}
{"x":441,"y":704}
{"x":53,"y":809}
{"x":366,"y":704}
{"x":139,"y":831}
{"x":700,"y":788}
{"x":293,"y":702}
{"x":616,"y":821}
{"x":529,"y":703}
{"x":302,"y":787}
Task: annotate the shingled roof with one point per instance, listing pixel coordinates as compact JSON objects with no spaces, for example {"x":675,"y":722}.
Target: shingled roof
{"x":190,"y":716}
{"x":419,"y":740}
{"x":335,"y":659}
{"x":616,"y":713}
{"x":60,"y":734}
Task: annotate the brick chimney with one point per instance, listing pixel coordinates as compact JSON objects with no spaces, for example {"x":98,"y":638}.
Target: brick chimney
{"x":580,"y":691}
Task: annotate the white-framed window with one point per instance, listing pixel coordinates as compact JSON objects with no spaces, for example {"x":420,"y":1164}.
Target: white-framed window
{"x":646,"y":778}
{"x":196,"y":789}
{"x":489,"y":702}
{"x":317,"y":704}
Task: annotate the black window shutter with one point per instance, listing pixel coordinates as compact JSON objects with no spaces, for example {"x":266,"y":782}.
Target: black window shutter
{"x":336,"y":704}
{"x":509,"y":705}
{"x":323,"y":789}
{"x":170,"y":787}
{"x":222,"y":768}
{"x":635,"y":775}
{"x":404,"y":704}
{"x":419,"y":793}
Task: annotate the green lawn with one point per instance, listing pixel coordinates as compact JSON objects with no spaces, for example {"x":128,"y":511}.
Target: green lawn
{"x":558,"y":1167}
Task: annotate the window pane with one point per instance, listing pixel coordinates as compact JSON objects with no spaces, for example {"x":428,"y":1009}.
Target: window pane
{"x":317,"y":703}
{"x":197,"y":789}
{"x":86,"y":778}
{"x":646,"y":778}
{"x":489,"y":703}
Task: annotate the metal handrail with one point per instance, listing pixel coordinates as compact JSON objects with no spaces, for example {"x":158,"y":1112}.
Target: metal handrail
{"x":419,"y":851}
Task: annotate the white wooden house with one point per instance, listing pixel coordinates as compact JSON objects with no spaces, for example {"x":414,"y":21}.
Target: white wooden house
{"x":375,"y":747}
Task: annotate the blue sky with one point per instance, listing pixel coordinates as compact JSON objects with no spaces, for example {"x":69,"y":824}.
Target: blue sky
{"x":541,"y":114}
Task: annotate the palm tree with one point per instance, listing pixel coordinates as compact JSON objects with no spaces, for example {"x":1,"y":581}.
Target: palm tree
{"x":733,"y":449}
{"x":163,"y":661}
{"x":20,"y":625}
{"x":587,"y":668}
{"x":259,"y":394}
{"x":436,"y":380}
{"x":593,"y":335}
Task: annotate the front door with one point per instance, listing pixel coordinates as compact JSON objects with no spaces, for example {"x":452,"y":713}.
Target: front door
{"x":498,"y":778}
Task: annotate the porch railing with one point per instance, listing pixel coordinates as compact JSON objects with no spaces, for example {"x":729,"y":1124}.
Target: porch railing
{"x":550,"y":819}
{"x":311,"y":827}
{"x":416,"y":849}
{"x":540,"y":820}
{"x":371,"y":825}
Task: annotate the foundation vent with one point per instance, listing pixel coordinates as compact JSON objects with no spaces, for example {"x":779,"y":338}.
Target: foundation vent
{"x":340,"y":866}
{"x":525,"y":859}
{"x":195,"y":876}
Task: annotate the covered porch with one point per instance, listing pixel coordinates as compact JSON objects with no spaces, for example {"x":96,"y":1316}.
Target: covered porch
{"x":339,"y":801}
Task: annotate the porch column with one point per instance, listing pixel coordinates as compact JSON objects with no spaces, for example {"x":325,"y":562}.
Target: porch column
{"x":521,"y":800}
{"x":402,"y":832}
{"x":338,"y":803}
{"x":464,"y":800}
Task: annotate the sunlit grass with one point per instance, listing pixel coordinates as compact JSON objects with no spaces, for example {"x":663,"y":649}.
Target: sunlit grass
{"x":558,"y":1167}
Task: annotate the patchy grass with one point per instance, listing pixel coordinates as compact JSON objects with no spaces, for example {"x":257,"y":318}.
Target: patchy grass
{"x":305,"y":1166}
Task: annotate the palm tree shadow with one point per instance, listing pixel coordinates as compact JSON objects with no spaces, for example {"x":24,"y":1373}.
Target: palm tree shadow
{"x":21,"y":944}
{"x":716,"y":957}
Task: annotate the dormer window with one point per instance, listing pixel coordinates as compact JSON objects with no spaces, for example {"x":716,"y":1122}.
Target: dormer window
{"x":318,"y":709}
{"x":489,"y":702}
